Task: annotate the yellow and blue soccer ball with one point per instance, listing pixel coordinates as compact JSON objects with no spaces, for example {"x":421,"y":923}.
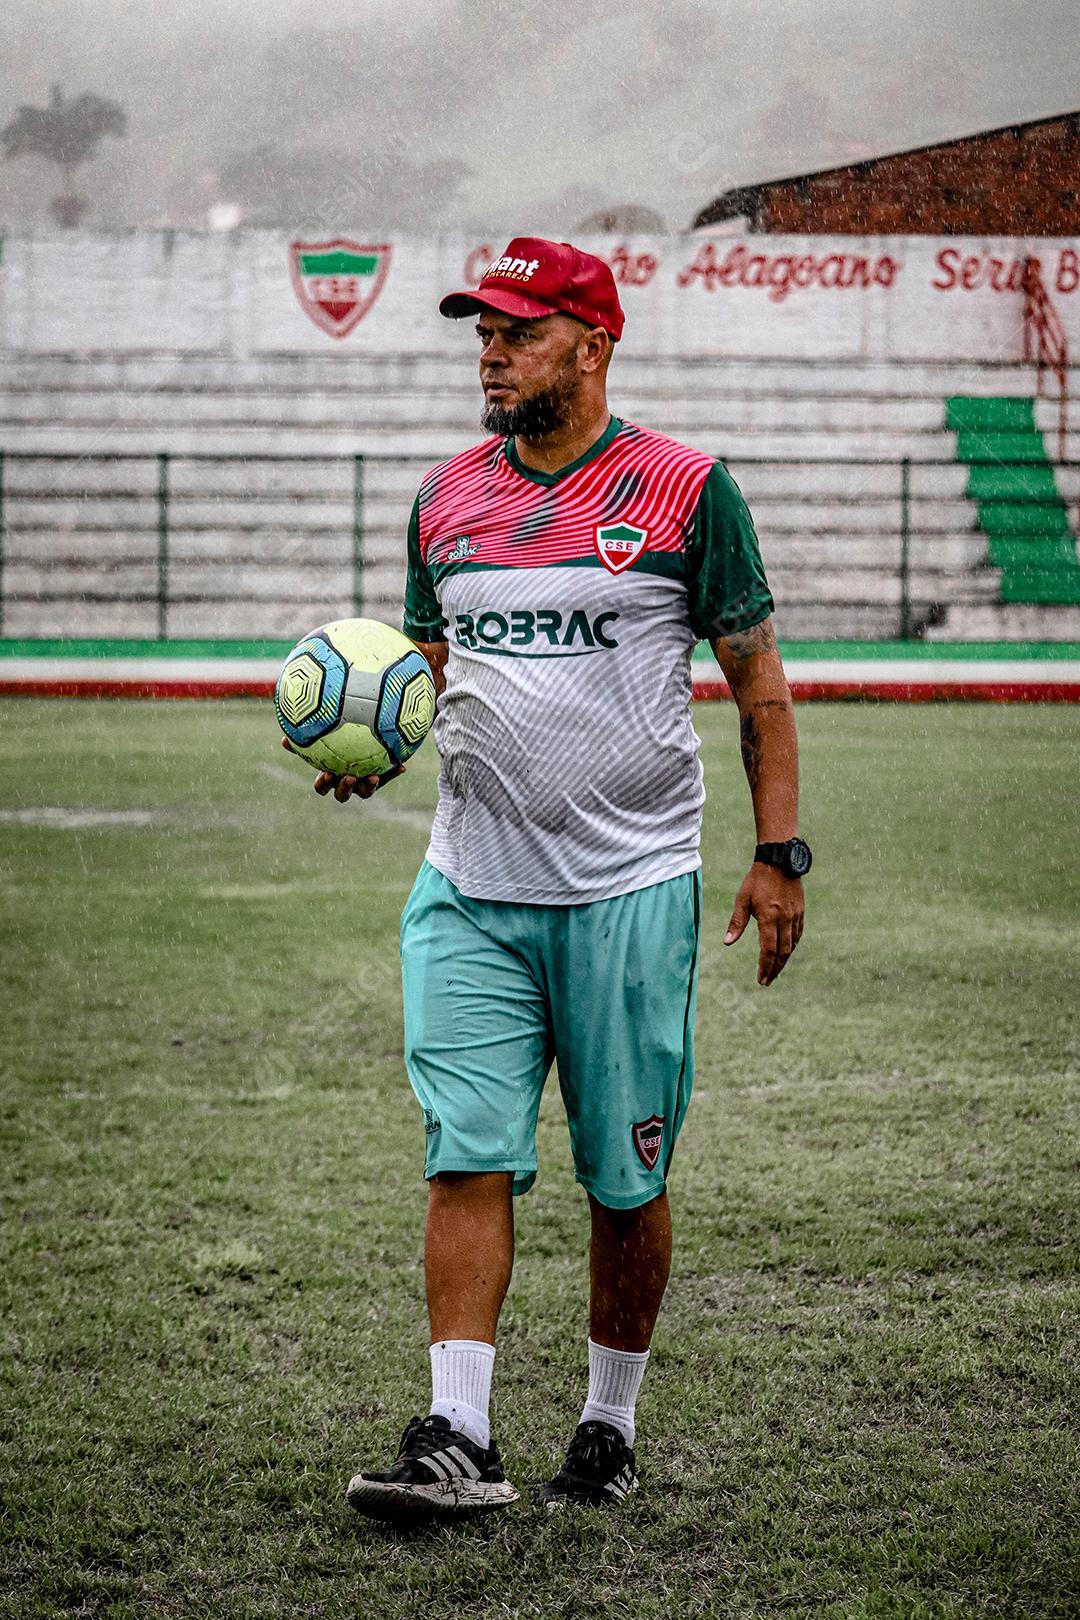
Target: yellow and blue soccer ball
{"x":355,"y":697}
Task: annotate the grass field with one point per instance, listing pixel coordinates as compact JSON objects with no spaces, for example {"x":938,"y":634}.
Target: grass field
{"x":862,"y":1401}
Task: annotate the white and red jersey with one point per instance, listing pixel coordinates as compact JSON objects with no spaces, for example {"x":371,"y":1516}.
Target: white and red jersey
{"x":571,"y":603}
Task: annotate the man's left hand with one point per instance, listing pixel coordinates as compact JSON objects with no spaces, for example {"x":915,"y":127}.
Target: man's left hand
{"x":776,"y":900}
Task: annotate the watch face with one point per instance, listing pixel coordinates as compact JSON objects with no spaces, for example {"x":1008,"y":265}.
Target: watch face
{"x":799,"y":857}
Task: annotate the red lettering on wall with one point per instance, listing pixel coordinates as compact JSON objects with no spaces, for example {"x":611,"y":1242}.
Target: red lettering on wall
{"x":632,"y":269}
{"x":860,"y":274}
{"x":832,"y":268}
{"x":1068,"y":271}
{"x":476,"y":263}
{"x":975,"y":272}
{"x":804,"y":271}
{"x":946,"y":262}
{"x":732,"y":267}
{"x":704,"y":265}
{"x":781,"y":273}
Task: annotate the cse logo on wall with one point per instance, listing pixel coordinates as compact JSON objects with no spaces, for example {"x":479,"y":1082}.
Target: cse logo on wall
{"x":338,"y":282}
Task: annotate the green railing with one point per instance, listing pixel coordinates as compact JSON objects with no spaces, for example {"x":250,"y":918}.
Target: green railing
{"x":163,"y":501}
{"x":919,"y":596}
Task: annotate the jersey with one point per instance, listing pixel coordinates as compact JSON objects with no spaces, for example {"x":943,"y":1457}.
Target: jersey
{"x":571,"y":602}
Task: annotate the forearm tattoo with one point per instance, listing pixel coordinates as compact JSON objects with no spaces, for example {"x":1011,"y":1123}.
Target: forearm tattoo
{"x":747,"y":643}
{"x":750,"y":741}
{"x":750,"y":737}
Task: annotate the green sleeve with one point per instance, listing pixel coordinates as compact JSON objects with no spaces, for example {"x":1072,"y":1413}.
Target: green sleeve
{"x":423,"y":619}
{"x":725,"y":579}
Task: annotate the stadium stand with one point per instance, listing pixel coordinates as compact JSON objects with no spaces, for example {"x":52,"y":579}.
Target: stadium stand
{"x":1021,"y":510}
{"x":891,"y":498}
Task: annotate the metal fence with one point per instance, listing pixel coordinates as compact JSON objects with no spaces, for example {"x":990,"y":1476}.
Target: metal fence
{"x":226,"y":544}
{"x":28,"y":509}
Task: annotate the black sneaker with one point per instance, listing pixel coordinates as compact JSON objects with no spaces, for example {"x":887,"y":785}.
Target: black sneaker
{"x":599,"y":1469}
{"x":438,"y":1471}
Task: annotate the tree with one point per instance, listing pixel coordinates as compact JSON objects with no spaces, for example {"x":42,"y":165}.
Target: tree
{"x":66,"y":133}
{"x":320,"y":188}
{"x":621,"y":219}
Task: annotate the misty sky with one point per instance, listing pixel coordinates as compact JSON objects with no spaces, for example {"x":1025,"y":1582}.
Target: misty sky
{"x":473,"y":115}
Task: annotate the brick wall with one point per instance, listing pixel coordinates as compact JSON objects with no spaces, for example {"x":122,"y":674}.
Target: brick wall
{"x":1023,"y":181}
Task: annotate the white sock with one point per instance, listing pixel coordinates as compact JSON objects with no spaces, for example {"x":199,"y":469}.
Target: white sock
{"x":461,"y":1385}
{"x":614,"y":1380}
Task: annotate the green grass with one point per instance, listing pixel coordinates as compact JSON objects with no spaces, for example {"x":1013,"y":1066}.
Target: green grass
{"x":862,"y":1399}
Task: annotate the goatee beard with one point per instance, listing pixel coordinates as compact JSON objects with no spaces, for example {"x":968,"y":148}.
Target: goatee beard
{"x":532,"y":418}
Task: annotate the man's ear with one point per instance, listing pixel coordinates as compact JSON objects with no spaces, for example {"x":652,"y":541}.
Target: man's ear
{"x":594,"y":347}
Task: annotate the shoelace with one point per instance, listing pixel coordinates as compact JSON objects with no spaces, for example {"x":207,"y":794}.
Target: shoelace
{"x":589,"y":1448}
{"x":421,"y":1434}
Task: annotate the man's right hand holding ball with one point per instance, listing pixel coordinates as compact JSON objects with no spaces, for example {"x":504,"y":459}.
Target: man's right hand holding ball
{"x":343,"y":787}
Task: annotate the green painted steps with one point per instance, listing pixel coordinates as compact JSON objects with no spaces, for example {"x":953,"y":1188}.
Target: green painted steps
{"x":1047,"y":587}
{"x":1012,"y":551}
{"x":997,"y":447}
{"x":1033,"y":518}
{"x":1021,"y":510}
{"x":994,"y":413}
{"x":991,"y":482}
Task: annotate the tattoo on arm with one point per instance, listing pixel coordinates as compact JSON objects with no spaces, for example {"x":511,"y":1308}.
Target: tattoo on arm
{"x":747,"y":643}
{"x":750,"y":736}
{"x":751,"y":749}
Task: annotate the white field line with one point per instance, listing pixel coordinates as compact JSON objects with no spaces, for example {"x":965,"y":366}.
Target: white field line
{"x":72,"y":818}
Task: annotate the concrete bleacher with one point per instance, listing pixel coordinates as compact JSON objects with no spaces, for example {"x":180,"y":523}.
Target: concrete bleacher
{"x":264,"y":548}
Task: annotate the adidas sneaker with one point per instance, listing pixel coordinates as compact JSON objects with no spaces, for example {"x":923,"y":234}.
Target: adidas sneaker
{"x":599,"y":1469}
{"x":438,"y":1471}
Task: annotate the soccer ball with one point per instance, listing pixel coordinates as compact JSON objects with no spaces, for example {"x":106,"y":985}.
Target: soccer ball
{"x":355,"y":698}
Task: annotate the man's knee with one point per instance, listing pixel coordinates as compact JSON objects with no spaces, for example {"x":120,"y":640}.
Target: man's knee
{"x":477,"y":1186}
{"x":624,"y":1224}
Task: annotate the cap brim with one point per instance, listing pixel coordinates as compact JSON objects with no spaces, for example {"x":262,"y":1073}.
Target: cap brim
{"x":458,"y":304}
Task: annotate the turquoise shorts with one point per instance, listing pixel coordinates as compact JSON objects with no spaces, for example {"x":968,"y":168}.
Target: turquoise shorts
{"x":495,"y":992}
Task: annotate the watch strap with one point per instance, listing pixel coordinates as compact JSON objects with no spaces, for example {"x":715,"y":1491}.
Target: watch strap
{"x":792,"y":856}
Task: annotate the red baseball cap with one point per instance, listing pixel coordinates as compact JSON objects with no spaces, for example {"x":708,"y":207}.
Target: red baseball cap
{"x":535,"y":278}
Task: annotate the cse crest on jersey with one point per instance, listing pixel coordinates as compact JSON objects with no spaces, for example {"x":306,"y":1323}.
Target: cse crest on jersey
{"x":619,"y":544}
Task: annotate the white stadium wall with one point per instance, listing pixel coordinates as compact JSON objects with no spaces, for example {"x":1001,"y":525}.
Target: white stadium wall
{"x":232,"y":294}
{"x":819,"y":368}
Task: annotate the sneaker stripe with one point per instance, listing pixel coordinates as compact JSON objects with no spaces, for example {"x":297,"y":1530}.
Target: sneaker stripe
{"x":434,"y":1464}
{"x":622,"y":1484}
{"x":453,"y":1469}
{"x":467,"y":1462}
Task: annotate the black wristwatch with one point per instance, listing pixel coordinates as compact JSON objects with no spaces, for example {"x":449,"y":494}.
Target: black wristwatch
{"x":793,"y":858}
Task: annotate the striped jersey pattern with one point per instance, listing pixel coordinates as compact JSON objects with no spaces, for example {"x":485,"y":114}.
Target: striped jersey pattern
{"x":642,"y":478}
{"x":569,"y":764}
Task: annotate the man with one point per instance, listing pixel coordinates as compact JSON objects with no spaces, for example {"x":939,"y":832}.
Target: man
{"x":559,"y":574}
